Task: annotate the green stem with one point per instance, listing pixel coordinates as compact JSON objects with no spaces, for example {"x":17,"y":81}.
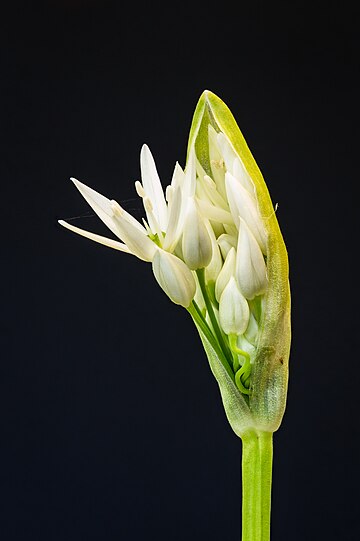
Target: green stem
{"x":194,"y":311}
{"x":256,"y":483}
{"x":201,"y":277}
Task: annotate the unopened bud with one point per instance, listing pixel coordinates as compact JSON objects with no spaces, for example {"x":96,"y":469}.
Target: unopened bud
{"x":226,"y":242}
{"x":174,"y":277}
{"x":196,"y":242}
{"x":227,"y":271}
{"x":250,"y":264}
{"x":233,"y":309}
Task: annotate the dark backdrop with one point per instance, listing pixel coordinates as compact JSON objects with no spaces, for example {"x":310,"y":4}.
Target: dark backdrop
{"x":111,"y":422}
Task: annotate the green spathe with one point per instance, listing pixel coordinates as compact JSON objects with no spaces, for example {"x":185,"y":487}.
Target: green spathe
{"x":263,"y":408}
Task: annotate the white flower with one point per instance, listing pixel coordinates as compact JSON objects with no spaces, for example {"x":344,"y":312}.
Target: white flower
{"x":163,"y":229}
{"x":204,"y":236}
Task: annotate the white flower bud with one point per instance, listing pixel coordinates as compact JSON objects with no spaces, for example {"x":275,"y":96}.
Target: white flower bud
{"x":196,"y":242}
{"x":226,"y":242}
{"x":227,"y":271}
{"x":227,"y":151}
{"x":216,"y":162}
{"x":174,"y":277}
{"x":243,"y":204}
{"x":233,"y":309}
{"x":252,"y":330}
{"x":152,"y":186}
{"x":245,"y":345}
{"x":214,"y":267}
{"x":243,"y":176}
{"x":250,"y":264}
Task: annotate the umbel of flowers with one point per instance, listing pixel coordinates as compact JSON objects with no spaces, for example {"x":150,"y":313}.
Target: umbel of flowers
{"x":215,"y":247}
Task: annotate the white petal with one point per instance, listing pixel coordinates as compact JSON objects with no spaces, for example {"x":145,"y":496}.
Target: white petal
{"x":214,"y":267}
{"x":233,"y":309}
{"x":154,"y":224}
{"x":138,"y":241}
{"x":227,"y":151}
{"x":250,"y":265}
{"x":213,"y":194}
{"x":217,"y":164}
{"x":196,"y":243}
{"x":140,"y":189}
{"x":118,"y":210}
{"x":152,"y":186}
{"x":226,"y":242}
{"x":97,"y":238}
{"x":243,"y":176}
{"x":104,"y":208}
{"x":168,"y":194}
{"x":214,"y":213}
{"x":244,"y":205}
{"x":227,"y":271}
{"x":189,"y":184}
{"x":245,"y":345}
{"x":252,"y":331}
{"x":100,"y":204}
{"x":173,"y":230}
{"x":174,"y":277}
{"x":178,"y":176}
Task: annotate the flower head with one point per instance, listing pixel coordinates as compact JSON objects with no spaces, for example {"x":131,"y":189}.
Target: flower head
{"x":216,"y":249}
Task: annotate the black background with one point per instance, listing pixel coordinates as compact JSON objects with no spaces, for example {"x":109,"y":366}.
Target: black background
{"x":111,"y":422}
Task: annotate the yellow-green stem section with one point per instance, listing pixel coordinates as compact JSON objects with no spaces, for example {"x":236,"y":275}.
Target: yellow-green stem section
{"x":257,"y":455}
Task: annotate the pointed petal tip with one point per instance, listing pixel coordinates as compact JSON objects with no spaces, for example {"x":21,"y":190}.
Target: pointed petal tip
{"x":77,"y":182}
{"x":145,"y":148}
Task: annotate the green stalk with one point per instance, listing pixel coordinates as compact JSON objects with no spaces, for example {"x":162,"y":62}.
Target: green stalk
{"x":194,"y":311}
{"x":201,"y":277}
{"x":256,"y":485}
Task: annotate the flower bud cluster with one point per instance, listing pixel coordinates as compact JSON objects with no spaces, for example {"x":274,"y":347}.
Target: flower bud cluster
{"x":205,"y":239}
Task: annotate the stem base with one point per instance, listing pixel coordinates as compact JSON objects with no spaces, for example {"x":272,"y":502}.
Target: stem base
{"x":256,"y":482}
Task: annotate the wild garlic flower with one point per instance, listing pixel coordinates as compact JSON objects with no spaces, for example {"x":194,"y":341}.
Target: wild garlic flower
{"x":215,"y":248}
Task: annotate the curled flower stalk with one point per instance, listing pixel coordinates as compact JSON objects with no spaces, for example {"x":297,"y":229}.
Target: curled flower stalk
{"x":214,"y":243}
